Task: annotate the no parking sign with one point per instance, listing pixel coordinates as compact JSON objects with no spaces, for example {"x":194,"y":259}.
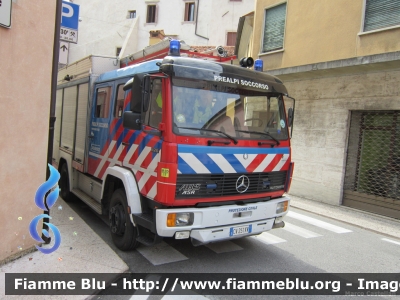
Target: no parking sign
{"x":69,"y":22}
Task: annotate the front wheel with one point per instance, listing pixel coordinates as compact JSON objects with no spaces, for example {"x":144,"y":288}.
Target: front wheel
{"x":123,"y":233}
{"x":65,"y":193}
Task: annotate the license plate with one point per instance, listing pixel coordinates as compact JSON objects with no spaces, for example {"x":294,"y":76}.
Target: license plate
{"x":240,"y":230}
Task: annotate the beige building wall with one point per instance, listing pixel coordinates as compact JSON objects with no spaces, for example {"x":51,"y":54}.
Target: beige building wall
{"x":26,"y":51}
{"x":318,"y":31}
{"x":331,"y":67}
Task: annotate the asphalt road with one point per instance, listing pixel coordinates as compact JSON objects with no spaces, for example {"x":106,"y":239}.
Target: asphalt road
{"x":309,"y":243}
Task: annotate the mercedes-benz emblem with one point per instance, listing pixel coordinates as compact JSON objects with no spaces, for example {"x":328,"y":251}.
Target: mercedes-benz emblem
{"x":242,"y":183}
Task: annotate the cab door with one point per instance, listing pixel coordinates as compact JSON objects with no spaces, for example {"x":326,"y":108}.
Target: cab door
{"x":144,"y":146}
{"x":118,"y":135}
{"x":100,"y":144}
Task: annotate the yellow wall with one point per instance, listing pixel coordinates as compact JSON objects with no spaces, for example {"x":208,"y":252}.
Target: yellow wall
{"x":26,"y":51}
{"x":319,"y":31}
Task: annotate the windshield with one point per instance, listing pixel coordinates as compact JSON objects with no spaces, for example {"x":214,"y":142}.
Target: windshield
{"x":239,"y":113}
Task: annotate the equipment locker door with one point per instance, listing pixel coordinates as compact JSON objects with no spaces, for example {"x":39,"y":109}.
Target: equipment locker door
{"x":100,"y":143}
{"x":81,"y":121}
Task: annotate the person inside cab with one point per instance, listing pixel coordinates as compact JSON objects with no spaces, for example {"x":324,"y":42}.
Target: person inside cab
{"x":203,"y":108}
{"x":156,"y":104}
{"x":183,"y":99}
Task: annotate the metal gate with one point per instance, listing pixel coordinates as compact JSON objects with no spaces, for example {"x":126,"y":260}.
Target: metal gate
{"x":372,"y":178}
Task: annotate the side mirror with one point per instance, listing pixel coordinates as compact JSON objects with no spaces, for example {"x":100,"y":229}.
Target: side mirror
{"x":128,"y":90}
{"x":131,"y":120}
{"x":128,"y":85}
{"x":146,"y":93}
{"x":290,"y":116}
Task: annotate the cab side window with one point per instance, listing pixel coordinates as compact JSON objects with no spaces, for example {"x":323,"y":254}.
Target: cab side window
{"x":154,"y":114}
{"x":103,"y":102}
{"x":119,"y":101}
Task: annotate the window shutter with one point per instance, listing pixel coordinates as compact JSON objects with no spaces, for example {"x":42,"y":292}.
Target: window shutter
{"x":381,"y":14}
{"x":192,"y":7}
{"x":155,"y":13}
{"x":274,"y":28}
{"x":186,"y":12}
{"x":148,"y":14}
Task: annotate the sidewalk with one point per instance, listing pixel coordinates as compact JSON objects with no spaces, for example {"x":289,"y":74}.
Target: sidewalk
{"x":81,"y":251}
{"x":381,"y":224}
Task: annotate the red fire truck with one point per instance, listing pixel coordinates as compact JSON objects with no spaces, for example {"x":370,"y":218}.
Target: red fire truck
{"x":176,"y":147}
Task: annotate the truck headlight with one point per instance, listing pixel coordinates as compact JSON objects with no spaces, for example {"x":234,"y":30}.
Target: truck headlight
{"x":282,"y":207}
{"x":180,"y":219}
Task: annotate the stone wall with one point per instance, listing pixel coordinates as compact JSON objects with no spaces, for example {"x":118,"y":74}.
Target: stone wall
{"x":321,"y":126}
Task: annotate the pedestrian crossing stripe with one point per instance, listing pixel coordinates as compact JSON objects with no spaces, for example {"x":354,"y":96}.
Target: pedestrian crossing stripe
{"x":161,"y":253}
{"x":391,"y":241}
{"x":318,"y":223}
{"x":150,"y":277}
{"x":300,"y":231}
{"x":189,"y":294}
{"x":268,"y":238}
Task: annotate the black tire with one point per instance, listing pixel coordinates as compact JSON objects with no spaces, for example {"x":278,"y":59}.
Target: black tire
{"x":123,"y":233}
{"x":64,"y":184}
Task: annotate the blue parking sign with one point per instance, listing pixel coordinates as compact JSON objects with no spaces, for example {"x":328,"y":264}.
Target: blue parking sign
{"x":70,"y":15}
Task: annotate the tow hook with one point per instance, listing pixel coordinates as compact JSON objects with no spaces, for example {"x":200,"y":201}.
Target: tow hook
{"x":278,"y":223}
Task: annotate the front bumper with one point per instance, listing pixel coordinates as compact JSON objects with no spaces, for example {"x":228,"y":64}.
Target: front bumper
{"x":213,"y":224}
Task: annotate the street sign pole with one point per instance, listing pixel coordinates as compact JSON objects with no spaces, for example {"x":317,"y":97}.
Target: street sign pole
{"x":53,"y":95}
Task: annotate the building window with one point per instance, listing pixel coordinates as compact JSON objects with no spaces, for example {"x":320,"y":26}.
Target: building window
{"x":189,"y":11}
{"x":118,"y":51}
{"x":131,"y":14}
{"x":151,"y":14}
{"x":381,"y":14}
{"x":231,"y":39}
{"x":274,"y":28}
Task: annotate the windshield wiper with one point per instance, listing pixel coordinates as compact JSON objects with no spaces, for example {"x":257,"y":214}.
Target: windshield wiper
{"x":263,"y":133}
{"x":212,"y":130}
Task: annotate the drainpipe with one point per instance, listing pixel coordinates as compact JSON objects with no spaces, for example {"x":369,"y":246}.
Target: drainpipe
{"x":52,"y":120}
{"x":197,"y":17}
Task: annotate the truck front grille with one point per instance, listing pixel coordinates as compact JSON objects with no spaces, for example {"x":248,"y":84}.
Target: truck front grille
{"x":216,"y":185}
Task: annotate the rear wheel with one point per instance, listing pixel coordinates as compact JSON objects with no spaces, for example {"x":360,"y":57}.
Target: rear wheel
{"x":64,"y":184}
{"x":123,"y":233}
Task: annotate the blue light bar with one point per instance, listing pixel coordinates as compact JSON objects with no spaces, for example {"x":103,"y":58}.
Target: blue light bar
{"x":258,"y":65}
{"x":174,"y":48}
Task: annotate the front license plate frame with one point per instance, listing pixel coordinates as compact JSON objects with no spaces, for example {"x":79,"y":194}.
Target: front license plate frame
{"x":240,"y":230}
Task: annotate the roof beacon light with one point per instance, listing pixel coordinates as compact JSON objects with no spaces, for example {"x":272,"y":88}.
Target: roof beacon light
{"x":258,"y":65}
{"x":174,"y":48}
